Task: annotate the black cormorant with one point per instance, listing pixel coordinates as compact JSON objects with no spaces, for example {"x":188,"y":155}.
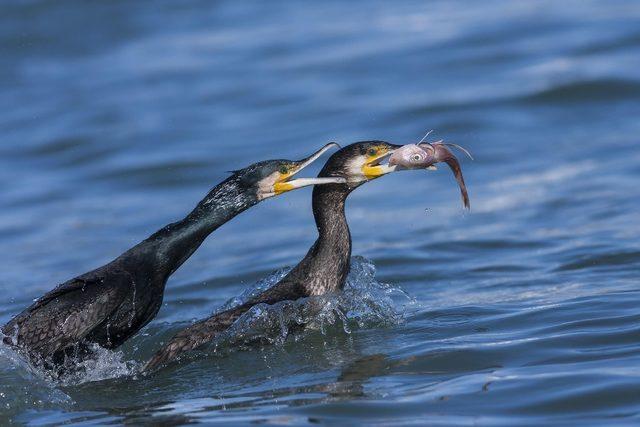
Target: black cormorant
{"x":324,"y":268}
{"x":109,"y":304}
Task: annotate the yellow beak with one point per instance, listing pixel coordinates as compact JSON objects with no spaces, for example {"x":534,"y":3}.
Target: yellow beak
{"x":372,"y":170}
{"x":284,"y":184}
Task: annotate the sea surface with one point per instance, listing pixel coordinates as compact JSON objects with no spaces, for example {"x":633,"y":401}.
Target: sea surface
{"x":118,"y":116}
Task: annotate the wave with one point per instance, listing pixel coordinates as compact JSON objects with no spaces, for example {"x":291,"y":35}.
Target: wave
{"x":587,"y":91}
{"x":559,"y":93}
{"x":23,"y":385}
{"x":602,"y":261}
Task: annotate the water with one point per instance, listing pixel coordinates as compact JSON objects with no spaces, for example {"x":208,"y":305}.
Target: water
{"x":117,"y":117}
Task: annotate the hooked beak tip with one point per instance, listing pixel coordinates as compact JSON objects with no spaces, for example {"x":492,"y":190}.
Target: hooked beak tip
{"x":315,"y":156}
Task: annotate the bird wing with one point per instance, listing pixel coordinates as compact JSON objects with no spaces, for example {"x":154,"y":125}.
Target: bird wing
{"x":77,"y":284}
{"x":68,"y":313}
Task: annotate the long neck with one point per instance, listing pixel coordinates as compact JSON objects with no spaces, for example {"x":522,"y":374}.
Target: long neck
{"x":171,"y":246}
{"x":326,"y":265}
{"x":328,"y":211}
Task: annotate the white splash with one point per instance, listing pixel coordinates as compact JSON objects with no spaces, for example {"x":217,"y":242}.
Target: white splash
{"x":364,"y":303}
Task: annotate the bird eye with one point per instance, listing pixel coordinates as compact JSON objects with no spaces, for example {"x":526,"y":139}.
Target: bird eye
{"x":284,"y":170}
{"x":372,"y":151}
{"x":416,"y":157}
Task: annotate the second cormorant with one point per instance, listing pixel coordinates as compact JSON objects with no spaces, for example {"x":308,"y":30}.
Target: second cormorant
{"x":108,"y":305}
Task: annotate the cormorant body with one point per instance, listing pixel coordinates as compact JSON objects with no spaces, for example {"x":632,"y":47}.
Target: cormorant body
{"x":108,"y":305}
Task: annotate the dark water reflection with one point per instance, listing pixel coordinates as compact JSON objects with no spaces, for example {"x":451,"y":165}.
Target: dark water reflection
{"x":118,"y":117}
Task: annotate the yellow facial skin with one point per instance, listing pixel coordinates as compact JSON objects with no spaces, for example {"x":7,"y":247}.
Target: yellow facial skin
{"x":372,"y":155}
{"x":280,"y":185}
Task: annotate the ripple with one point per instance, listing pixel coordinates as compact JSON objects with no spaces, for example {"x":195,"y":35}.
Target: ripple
{"x":602,"y":261}
{"x":587,"y":91}
{"x":505,"y":268}
{"x":617,"y":43}
{"x":170,"y":174}
{"x":488,"y":244}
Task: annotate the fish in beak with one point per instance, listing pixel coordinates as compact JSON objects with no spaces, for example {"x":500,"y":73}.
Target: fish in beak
{"x":425,"y":156}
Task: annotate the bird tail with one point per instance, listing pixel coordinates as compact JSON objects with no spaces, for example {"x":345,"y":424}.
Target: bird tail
{"x":195,"y":336}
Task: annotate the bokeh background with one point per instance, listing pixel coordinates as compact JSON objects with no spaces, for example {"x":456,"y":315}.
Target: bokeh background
{"x":117,"y":117}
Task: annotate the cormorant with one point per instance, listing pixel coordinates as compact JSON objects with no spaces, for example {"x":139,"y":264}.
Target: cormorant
{"x":324,"y":269}
{"x":108,"y":305}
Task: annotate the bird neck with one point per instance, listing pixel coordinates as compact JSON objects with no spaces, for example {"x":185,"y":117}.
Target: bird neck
{"x":328,"y":211}
{"x":172,"y":245}
{"x":326,"y":265}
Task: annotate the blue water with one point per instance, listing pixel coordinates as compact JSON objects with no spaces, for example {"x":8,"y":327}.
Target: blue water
{"x":117,"y":117}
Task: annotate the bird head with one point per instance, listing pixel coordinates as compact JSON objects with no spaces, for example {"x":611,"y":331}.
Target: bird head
{"x":273,"y":177}
{"x":360,"y":162}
